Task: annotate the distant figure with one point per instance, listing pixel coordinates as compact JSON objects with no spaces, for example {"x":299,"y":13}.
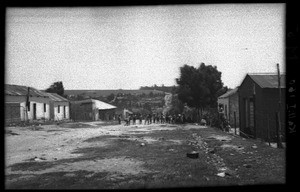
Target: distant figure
{"x":126,"y":121}
{"x":183,"y":119}
{"x":167,"y":118}
{"x":203,"y":122}
{"x":133,"y":119}
{"x":119,"y":119}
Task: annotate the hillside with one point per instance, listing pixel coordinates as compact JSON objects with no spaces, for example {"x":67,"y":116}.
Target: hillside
{"x":105,"y":93}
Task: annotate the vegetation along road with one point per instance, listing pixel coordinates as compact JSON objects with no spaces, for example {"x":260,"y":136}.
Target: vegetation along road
{"x":99,"y":156}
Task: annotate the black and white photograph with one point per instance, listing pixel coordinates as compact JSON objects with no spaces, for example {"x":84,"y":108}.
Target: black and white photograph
{"x":145,"y":96}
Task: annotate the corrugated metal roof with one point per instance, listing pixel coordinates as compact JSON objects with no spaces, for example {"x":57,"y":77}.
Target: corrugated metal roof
{"x":56,"y":97}
{"x":98,"y":104}
{"x":18,"y":90}
{"x":268,"y":80}
{"x":229,"y":93}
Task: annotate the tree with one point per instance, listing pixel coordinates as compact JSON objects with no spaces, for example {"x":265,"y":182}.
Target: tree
{"x":56,"y":87}
{"x":110,"y":97}
{"x":198,"y":87}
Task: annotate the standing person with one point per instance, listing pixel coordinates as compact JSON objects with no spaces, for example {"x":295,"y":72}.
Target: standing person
{"x":167,"y":118}
{"x":145,"y":119}
{"x":126,"y":121}
{"x":162,"y":118}
{"x":134,"y":119}
{"x":140,"y":118}
{"x":119,"y":119}
{"x":129,"y":119}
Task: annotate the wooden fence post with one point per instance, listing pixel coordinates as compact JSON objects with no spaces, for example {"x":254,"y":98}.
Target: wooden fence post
{"x":268,"y":129}
{"x":279,"y":144}
{"x":234,"y":122}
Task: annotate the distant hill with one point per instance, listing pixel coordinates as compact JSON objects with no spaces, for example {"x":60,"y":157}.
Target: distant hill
{"x":168,"y":89}
{"x":105,"y":93}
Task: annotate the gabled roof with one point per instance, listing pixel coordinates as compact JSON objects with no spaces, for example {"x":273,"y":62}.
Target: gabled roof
{"x":18,"y":90}
{"x":56,"y":97}
{"x":98,"y":104}
{"x":268,"y":80}
{"x":229,"y":93}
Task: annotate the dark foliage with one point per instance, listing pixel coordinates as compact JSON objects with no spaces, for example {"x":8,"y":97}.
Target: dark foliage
{"x":56,"y":87}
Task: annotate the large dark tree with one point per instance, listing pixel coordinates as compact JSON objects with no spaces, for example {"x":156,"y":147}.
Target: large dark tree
{"x":199,"y":87}
{"x":56,"y":87}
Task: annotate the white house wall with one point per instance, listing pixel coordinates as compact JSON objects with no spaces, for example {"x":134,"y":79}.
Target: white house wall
{"x":60,"y":115}
{"x":39,"y":101}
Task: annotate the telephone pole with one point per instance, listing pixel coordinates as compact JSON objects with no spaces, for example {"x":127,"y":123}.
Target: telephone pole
{"x":279,"y":144}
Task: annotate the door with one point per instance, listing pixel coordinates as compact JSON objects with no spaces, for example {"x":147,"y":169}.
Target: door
{"x":64,"y":112}
{"x":34,"y":111}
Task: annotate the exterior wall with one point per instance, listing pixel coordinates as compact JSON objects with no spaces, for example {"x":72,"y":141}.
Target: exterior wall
{"x":39,"y":101}
{"x":246,"y":92}
{"x":266,"y":119}
{"x":60,"y":115}
{"x":80,"y":111}
{"x":96,"y":115}
{"x":12,"y":112}
{"x":234,"y":107}
{"x":265,"y":107}
{"x":106,"y":115}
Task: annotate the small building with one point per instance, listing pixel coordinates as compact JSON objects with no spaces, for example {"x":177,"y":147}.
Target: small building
{"x":16,"y":108}
{"x":258,"y":104}
{"x":230,"y":106}
{"x":91,"y":110}
{"x":59,"y":107}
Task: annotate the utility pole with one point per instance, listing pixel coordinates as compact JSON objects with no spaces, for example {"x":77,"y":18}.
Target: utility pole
{"x":27,"y":103}
{"x":279,"y":144}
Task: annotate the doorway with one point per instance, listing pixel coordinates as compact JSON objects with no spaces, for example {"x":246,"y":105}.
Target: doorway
{"x":34,"y":111}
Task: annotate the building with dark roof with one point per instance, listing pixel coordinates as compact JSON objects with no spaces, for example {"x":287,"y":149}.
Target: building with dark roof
{"x":258,"y":104}
{"x":229,"y":102}
{"x":59,"y":107}
{"x":15,"y":104}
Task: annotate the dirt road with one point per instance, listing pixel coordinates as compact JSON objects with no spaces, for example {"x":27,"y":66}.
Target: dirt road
{"x":95,"y":156}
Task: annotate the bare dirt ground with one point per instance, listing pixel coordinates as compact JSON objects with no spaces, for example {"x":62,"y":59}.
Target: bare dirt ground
{"x":94,"y":155}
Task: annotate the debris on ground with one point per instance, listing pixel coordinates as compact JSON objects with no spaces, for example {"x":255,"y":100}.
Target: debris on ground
{"x":193,"y":154}
{"x":254,"y":147}
{"x":213,"y":150}
{"x":247,"y":165}
{"x":39,"y":159}
{"x":142,"y":144}
{"x":206,"y":178}
{"x":222,"y":174}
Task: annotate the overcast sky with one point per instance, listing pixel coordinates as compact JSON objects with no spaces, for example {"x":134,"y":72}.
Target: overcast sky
{"x":129,"y":47}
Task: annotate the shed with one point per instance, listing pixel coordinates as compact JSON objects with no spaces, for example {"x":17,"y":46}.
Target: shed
{"x":230,"y":104}
{"x":258,"y":104}
{"x":15,"y":103}
{"x":91,"y":110}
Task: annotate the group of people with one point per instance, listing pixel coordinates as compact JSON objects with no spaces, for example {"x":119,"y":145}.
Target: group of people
{"x":153,"y":119}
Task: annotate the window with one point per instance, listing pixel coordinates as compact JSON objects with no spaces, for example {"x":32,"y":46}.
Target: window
{"x":58,"y":110}
{"x":44,"y":107}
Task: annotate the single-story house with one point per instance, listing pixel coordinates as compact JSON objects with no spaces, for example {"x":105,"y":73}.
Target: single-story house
{"x":59,"y":107}
{"x":258,"y":104}
{"x":15,"y":104}
{"x":229,"y":102}
{"x":91,"y":110}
